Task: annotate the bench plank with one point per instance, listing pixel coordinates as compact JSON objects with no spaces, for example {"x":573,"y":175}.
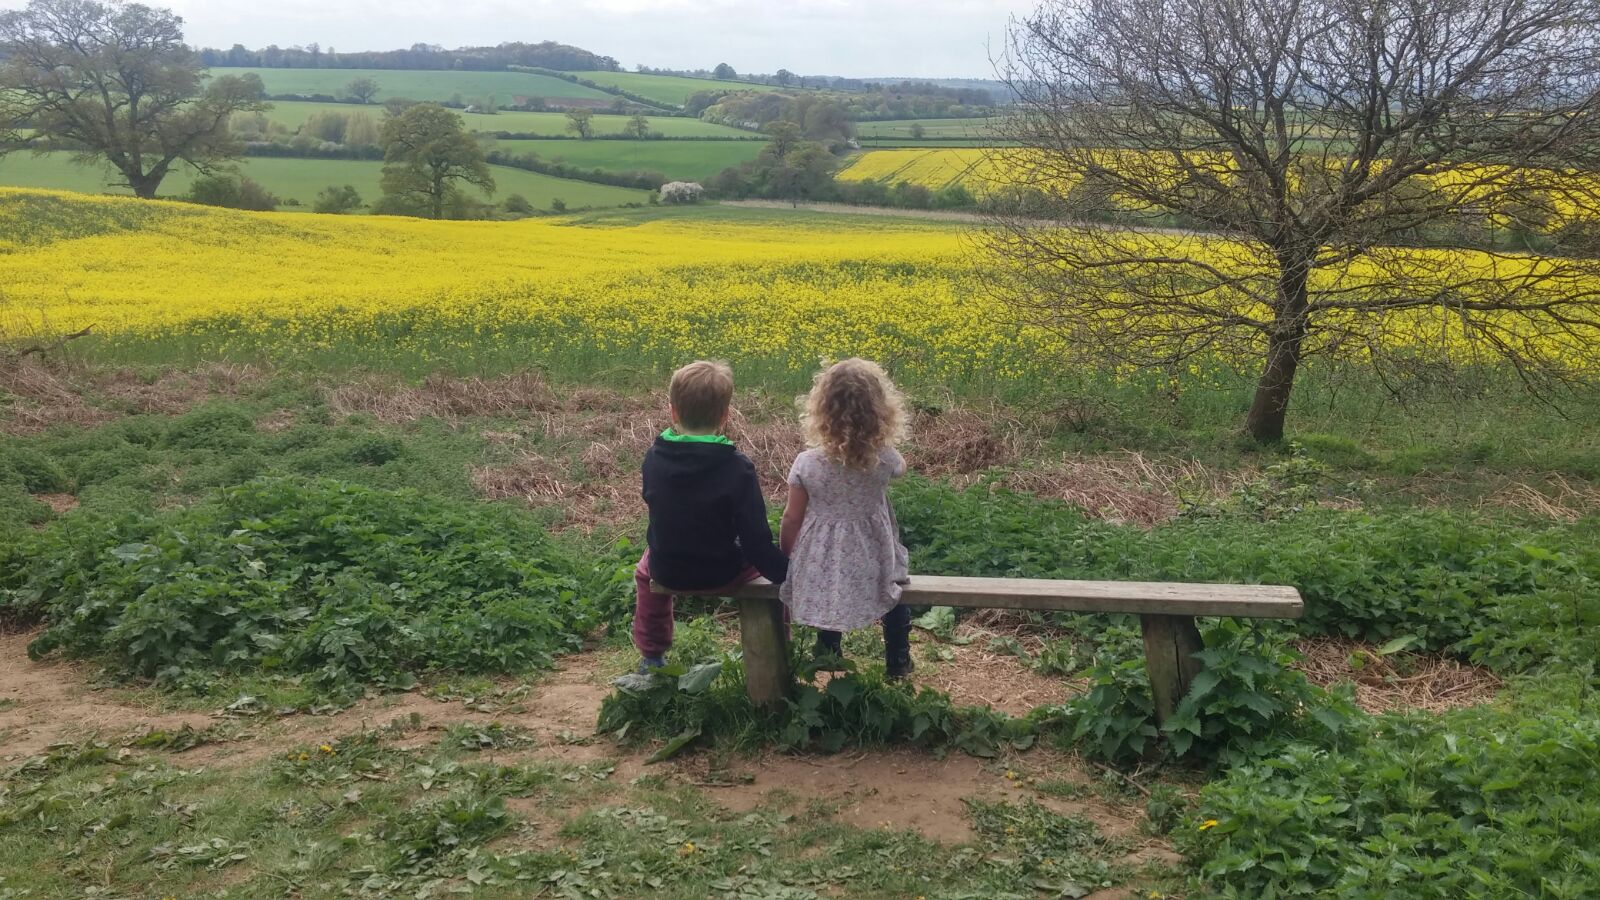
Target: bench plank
{"x":1256,"y":601}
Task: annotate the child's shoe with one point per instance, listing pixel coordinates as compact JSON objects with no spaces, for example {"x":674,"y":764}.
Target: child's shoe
{"x":828,"y":654}
{"x":898,"y":666}
{"x":647,"y":663}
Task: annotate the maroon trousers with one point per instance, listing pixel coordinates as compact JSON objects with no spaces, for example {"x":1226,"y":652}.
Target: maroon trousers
{"x":652,"y":611}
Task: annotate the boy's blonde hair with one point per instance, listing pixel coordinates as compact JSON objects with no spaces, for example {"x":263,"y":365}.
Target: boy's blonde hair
{"x":701,"y":392}
{"x":853,"y":412}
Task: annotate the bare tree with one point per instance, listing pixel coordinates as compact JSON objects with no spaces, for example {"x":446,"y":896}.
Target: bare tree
{"x":1304,"y":148}
{"x":115,"y":82}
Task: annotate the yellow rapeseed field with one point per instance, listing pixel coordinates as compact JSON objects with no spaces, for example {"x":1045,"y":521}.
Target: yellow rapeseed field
{"x":974,"y":168}
{"x":623,"y":291}
{"x":659,"y":288}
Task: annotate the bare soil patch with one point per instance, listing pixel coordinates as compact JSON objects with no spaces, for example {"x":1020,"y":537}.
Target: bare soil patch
{"x":979,"y":676}
{"x":58,"y":503}
{"x":46,"y":702}
{"x":908,"y":789}
{"x":1385,"y":683}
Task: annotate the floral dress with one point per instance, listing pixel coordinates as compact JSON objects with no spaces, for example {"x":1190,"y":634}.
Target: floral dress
{"x":848,"y":565}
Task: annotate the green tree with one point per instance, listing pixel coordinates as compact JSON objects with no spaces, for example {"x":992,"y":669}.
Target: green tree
{"x":338,"y":200}
{"x":581,"y":123}
{"x":783,"y":137}
{"x":116,"y":82}
{"x":363,"y":89}
{"x":917,"y":131}
{"x":801,"y":174}
{"x":638,"y":127}
{"x":784,"y":77}
{"x":724,"y":72}
{"x":394,"y":106}
{"x":427,"y":154}
{"x":233,"y":192}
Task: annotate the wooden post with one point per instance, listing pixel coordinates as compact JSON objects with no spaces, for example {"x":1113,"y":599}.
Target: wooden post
{"x":766,"y":651}
{"x":1170,"y":643}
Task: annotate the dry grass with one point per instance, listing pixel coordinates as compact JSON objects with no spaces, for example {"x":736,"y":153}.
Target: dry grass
{"x":1126,"y":487}
{"x":965,"y":442}
{"x":443,"y":397}
{"x":1412,"y":681}
{"x":1558,"y":498}
{"x":41,"y":394}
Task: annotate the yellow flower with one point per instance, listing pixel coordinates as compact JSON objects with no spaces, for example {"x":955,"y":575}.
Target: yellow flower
{"x":688,"y":849}
{"x":326,"y":748}
{"x":1207,"y":824}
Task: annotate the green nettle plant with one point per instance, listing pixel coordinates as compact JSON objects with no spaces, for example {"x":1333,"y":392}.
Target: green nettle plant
{"x":347,"y":585}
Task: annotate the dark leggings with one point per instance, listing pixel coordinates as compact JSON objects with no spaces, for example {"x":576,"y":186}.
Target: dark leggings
{"x":896,"y":635}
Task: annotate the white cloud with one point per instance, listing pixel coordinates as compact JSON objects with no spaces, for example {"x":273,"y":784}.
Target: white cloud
{"x":876,"y":38}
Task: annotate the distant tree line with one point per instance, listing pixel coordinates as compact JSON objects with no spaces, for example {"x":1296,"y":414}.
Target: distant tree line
{"x":763,"y":106}
{"x":962,"y":96}
{"x":818,"y":117}
{"x":548,"y":54}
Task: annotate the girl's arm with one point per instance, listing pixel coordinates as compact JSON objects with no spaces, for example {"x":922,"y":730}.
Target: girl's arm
{"x":794,"y":514}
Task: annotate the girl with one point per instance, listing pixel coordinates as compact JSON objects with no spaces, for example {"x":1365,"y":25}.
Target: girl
{"x":847,"y":565}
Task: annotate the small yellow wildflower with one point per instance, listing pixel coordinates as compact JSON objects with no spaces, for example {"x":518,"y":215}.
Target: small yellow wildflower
{"x":304,"y":757}
{"x":327,"y":749}
{"x":688,"y":849}
{"x":1209,"y":823}
{"x":1011,"y":775}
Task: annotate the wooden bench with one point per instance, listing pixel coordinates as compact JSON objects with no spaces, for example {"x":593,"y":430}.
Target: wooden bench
{"x":1166,"y":616}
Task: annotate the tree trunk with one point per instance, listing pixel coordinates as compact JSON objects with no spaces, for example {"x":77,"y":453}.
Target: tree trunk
{"x":144,"y":186}
{"x":1284,"y":343}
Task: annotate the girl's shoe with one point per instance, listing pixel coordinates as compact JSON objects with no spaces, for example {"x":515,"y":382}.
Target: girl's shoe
{"x":647,"y":663}
{"x":898,"y":666}
{"x":828,"y":654}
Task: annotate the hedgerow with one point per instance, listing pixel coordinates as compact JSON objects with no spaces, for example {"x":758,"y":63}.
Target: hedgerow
{"x":345,"y":584}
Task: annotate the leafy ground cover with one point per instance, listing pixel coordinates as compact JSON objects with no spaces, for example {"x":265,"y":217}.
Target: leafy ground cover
{"x":302,"y":179}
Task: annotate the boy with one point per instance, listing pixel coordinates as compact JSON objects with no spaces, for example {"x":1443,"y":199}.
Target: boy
{"x":708,"y":519}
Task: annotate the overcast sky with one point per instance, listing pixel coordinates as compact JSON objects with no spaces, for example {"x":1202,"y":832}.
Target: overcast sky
{"x":928,"y":38}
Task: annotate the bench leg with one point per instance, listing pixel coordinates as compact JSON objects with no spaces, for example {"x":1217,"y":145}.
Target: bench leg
{"x":1170,"y":643}
{"x":766,"y":651}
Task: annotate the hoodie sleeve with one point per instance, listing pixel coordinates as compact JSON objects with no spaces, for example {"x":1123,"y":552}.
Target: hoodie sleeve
{"x":755,"y":534}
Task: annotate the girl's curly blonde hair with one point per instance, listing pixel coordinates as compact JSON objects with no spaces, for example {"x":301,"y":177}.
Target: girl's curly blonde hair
{"x":853,"y":412}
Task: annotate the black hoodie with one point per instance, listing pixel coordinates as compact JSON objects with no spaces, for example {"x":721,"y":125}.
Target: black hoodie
{"x":708,"y":520}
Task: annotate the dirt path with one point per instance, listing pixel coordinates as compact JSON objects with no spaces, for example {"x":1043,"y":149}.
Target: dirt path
{"x":51,"y":701}
{"x":43,"y":703}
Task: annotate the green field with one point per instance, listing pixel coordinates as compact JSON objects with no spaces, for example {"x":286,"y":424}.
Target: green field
{"x":678,"y":160}
{"x":666,"y":88}
{"x":301,"y":179}
{"x":294,"y":113}
{"x":424,"y":85}
{"x":972,"y":129}
{"x":886,"y":143}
